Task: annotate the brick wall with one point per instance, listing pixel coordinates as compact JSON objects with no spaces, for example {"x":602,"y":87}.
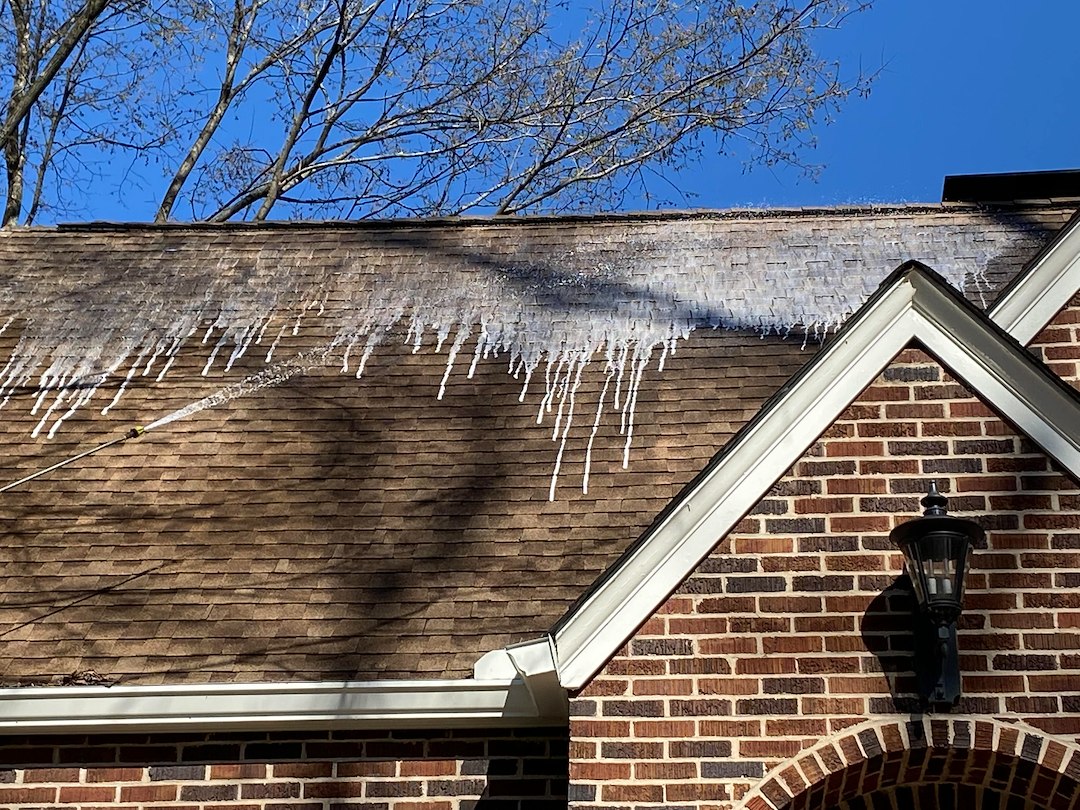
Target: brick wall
{"x":378,"y":771}
{"x":797,"y":626}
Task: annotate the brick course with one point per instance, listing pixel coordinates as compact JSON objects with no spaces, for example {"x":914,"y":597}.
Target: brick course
{"x":800,"y":619}
{"x":450,"y":771}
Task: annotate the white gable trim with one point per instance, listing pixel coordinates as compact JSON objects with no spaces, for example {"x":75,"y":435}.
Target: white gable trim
{"x":914,"y":304}
{"x":1026,"y":307}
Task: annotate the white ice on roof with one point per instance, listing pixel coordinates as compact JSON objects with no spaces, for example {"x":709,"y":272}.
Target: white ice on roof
{"x":623,"y":295}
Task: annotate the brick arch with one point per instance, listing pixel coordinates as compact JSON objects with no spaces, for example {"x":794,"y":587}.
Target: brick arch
{"x":882,"y":755}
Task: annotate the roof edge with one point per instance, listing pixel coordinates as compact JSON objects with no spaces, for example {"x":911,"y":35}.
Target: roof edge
{"x":465,"y":703}
{"x":479,"y":220}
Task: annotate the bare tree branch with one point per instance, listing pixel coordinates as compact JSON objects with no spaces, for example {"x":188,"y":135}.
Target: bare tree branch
{"x":406,"y":107}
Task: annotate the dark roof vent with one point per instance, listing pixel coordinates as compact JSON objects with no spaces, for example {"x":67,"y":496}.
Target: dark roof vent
{"x":1012,"y":186}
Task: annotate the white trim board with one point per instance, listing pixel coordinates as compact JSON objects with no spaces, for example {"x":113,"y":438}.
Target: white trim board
{"x":914,"y":304}
{"x":1043,"y":288}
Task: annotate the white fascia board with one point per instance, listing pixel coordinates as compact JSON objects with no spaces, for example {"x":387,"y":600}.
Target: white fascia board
{"x":1026,"y":308}
{"x":995,"y":366}
{"x":465,"y":703}
{"x":729,"y":490}
{"x":1002,"y":373}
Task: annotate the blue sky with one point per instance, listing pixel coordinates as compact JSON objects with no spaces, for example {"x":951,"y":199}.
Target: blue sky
{"x":966,"y":86}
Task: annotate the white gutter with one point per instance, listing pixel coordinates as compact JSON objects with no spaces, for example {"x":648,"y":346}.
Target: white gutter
{"x":514,"y":687}
{"x":466,"y":703}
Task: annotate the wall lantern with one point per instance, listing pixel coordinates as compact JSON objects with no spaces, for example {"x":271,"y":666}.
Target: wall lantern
{"x":936,"y":549}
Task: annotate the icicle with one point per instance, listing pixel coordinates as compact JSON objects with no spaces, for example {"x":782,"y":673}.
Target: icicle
{"x":566,"y":430}
{"x":123,"y":386}
{"x":592,"y":433}
{"x":459,"y":341}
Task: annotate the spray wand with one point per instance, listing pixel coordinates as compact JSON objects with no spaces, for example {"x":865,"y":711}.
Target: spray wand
{"x":135,"y":432}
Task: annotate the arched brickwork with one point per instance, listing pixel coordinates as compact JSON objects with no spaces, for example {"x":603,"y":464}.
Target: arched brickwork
{"x":993,"y":764}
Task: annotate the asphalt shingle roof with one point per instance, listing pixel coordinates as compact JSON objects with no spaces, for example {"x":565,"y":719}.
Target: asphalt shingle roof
{"x":327,"y":527}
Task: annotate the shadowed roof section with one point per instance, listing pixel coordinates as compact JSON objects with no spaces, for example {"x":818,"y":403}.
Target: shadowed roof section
{"x":332,"y":528}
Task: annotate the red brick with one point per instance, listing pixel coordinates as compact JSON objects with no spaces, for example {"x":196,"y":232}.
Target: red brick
{"x":1053,"y":683}
{"x":696,"y":792}
{"x":115,"y":774}
{"x":733,"y":645}
{"x":633,"y":793}
{"x":789,"y":604}
{"x":149,"y":793}
{"x":822,"y":506}
{"x":1014,"y":620}
{"x":427,"y":767}
{"x":824,"y":624}
{"x":604,"y":687}
{"x":848,"y":604}
{"x":664,"y":728}
{"x":856,"y":562}
{"x":952,"y":428}
{"x":780,"y":749}
{"x":677,"y":605}
{"x":792,"y":644}
{"x":729,"y":686}
{"x":85,"y":793}
{"x":665,"y":770}
{"x":697,"y":626}
{"x":656,"y":626}
{"x":888,"y":429}
{"x":1023,"y":541}
{"x":765,"y":666}
{"x":969,"y":409}
{"x":889,"y":466}
{"x":844,"y":644}
{"x":866,"y":685}
{"x":233,"y":771}
{"x":834,"y":449}
{"x":348,"y":769}
{"x":730,"y":728}
{"x":764,"y":545}
{"x":881,"y":393}
{"x":856,"y":486}
{"x":32,"y":775}
{"x":314,"y":770}
{"x":855,"y":413}
{"x":24,"y":795}
{"x":599,"y":771}
{"x":999,"y":684}
{"x":916,"y":410}
{"x":832,"y":705}
{"x":600,"y":728}
{"x":796,"y":727}
{"x":663,"y":686}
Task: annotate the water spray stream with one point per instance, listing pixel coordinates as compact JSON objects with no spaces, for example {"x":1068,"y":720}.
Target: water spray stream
{"x":275,"y":375}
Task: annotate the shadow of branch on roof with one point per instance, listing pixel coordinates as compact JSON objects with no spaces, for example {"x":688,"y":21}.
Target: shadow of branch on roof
{"x":73,"y":601}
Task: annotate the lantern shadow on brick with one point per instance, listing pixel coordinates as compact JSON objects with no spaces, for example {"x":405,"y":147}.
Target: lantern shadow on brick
{"x":887,"y":629}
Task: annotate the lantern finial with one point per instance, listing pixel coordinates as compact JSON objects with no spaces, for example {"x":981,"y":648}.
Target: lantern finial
{"x":934,"y":502}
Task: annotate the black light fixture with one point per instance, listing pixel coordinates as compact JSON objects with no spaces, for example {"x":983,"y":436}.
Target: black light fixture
{"x":936,"y":550}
